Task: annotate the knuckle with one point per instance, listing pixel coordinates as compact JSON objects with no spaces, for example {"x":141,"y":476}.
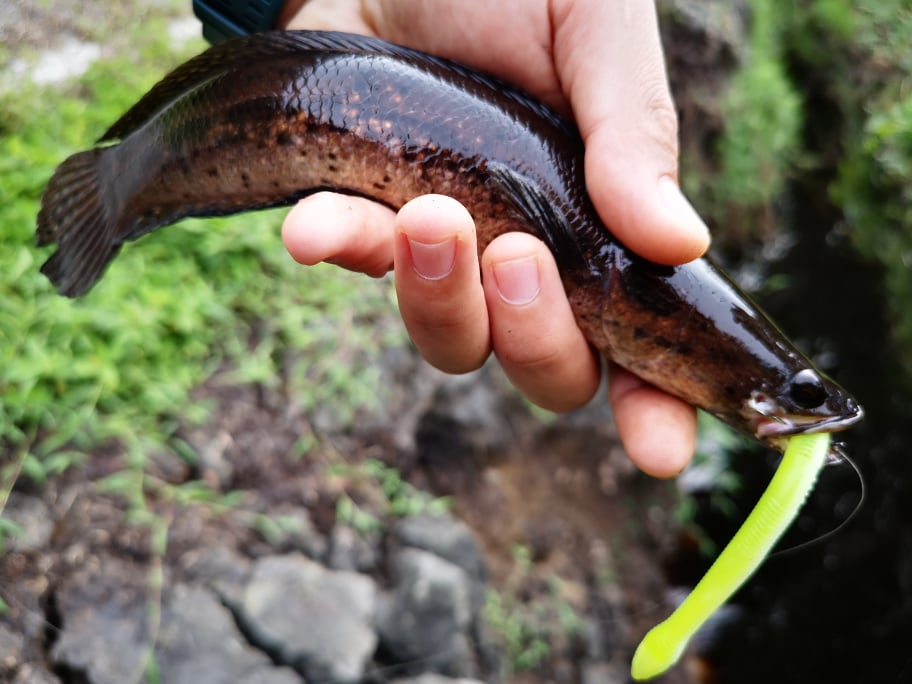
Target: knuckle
{"x":542,"y":355}
{"x":447,"y":340}
{"x":660,"y":120}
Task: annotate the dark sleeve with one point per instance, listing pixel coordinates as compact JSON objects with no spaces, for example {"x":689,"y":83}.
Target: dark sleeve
{"x":224,"y":19}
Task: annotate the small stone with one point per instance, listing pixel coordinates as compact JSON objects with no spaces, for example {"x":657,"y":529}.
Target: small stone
{"x":453,"y":541}
{"x":426,"y":617}
{"x":11,"y":647}
{"x":430,"y":678}
{"x":446,"y":537}
{"x":603,"y":673}
{"x":349,"y":550}
{"x":220,"y":568}
{"x":289,"y":529}
{"x":103,"y":610}
{"x":314,"y":619}
{"x":198,"y":641}
{"x":34,"y":520}
{"x":28,"y":674}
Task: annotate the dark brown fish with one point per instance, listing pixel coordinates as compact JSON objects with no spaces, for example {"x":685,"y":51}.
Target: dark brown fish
{"x":265,"y":120}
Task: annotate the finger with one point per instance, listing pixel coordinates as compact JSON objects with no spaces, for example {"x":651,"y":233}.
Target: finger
{"x":351,"y":232}
{"x":533,"y":330}
{"x":659,"y":431}
{"x":609,"y":58}
{"x":438,"y":285}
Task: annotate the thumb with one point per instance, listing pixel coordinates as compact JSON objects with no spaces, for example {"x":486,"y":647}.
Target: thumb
{"x":609,"y":58}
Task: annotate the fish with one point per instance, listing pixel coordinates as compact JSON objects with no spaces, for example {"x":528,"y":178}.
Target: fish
{"x":267,"y":119}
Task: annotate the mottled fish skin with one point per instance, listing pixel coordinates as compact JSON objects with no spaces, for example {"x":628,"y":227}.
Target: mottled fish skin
{"x":265,"y":120}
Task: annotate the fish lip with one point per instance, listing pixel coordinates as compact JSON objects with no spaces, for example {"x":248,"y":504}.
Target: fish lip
{"x":785,"y":426}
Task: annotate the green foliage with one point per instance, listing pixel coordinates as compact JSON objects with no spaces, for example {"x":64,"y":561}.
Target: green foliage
{"x":858,"y":57}
{"x":859,"y":50}
{"x":528,"y":631}
{"x":883,"y":29}
{"x":362,"y":521}
{"x":398,"y":498}
{"x":875,"y":184}
{"x":205,"y":295}
{"x":274,"y":528}
{"x":875,"y":191}
{"x":812,"y":29}
{"x":762,"y":114}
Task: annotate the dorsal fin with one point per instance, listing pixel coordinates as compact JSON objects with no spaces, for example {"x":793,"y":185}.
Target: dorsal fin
{"x":225,"y":57}
{"x":239,"y":52}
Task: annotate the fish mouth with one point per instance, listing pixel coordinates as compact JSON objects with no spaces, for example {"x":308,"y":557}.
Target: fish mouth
{"x":768,"y":426}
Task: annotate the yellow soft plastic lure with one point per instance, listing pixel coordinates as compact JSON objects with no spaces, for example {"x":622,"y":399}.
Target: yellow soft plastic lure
{"x":793,"y":480}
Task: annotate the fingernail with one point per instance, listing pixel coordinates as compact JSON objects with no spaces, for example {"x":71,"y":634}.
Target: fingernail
{"x":675,"y":200}
{"x":518,"y":282}
{"x":433,"y":261}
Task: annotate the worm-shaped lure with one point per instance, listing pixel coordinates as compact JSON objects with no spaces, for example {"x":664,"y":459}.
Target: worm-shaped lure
{"x":793,"y":480}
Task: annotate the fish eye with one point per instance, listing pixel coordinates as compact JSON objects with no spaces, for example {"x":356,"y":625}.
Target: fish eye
{"x":806,"y":389}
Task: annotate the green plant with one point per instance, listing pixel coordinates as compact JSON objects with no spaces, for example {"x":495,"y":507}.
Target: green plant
{"x":350,"y":513}
{"x":875,"y":190}
{"x":523,"y":639}
{"x":529,"y":629}
{"x":865,"y":43}
{"x":398,"y":498}
{"x":762,"y":114}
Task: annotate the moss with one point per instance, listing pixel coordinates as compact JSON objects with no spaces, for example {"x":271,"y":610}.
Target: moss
{"x":875,"y":191}
{"x":760,"y":141}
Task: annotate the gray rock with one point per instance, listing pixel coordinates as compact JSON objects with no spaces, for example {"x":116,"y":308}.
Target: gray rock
{"x":314,"y":619}
{"x":604,"y":673}
{"x":107,"y":629}
{"x":34,"y":520}
{"x":199,"y":643}
{"x":290,"y":528}
{"x":473,"y":407}
{"x":14,"y":665}
{"x":429,"y":678}
{"x":446,"y":537}
{"x":426,"y":617}
{"x":349,"y":550}
{"x":219,"y":568}
{"x":11,"y":647}
{"x":29,"y":674}
{"x":453,"y":541}
{"x":103,"y":609}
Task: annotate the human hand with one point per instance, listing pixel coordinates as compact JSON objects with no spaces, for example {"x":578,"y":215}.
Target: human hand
{"x":599,"y":62}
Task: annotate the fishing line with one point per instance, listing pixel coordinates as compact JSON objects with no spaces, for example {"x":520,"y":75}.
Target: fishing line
{"x":839,"y":457}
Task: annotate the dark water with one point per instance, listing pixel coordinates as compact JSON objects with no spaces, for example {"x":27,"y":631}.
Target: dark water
{"x":841,"y":610}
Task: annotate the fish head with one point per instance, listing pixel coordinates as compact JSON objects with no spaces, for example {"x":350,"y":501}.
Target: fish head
{"x":690,"y":331}
{"x":804,"y":401}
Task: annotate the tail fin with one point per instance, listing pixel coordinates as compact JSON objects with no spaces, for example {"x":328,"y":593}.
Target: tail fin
{"x":75,"y":217}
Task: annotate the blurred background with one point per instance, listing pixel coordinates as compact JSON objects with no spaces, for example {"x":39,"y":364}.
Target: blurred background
{"x":220,"y":466}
